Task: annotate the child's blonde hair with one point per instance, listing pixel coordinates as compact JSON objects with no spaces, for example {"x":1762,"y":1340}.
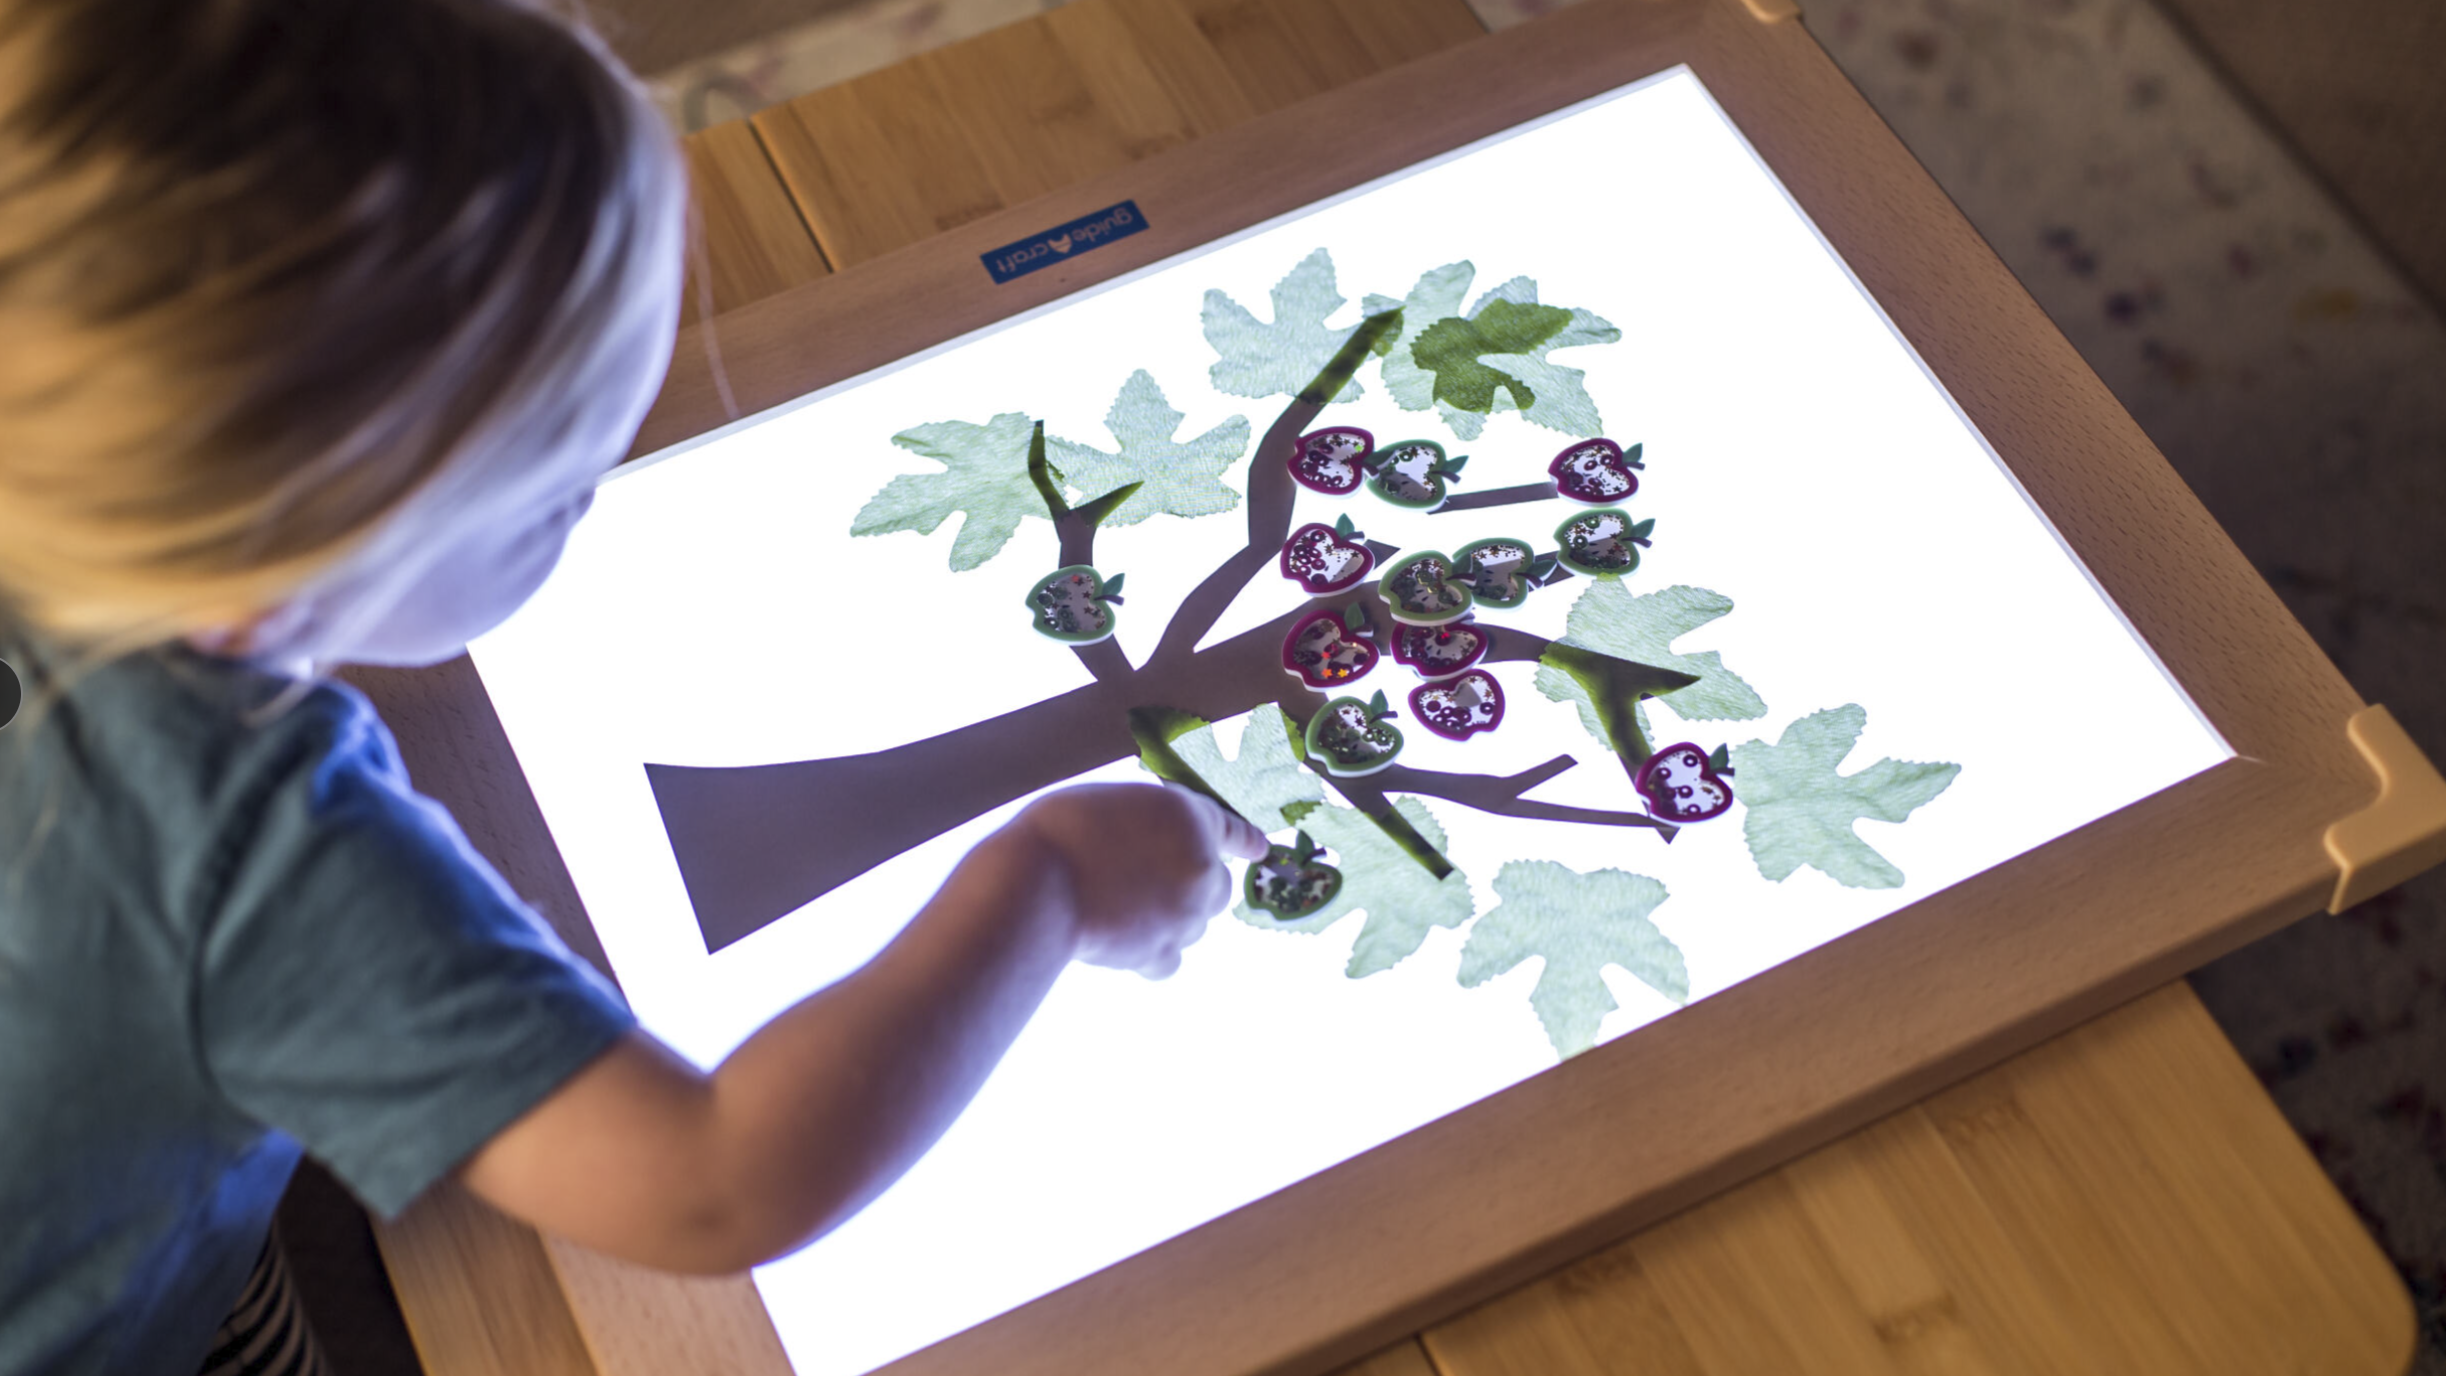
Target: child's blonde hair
{"x":282,"y":279}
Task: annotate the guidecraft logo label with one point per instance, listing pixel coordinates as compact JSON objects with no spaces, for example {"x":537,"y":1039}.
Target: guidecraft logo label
{"x":1090,"y":231}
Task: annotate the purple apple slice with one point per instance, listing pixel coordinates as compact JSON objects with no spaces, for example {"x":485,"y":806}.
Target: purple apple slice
{"x":1416,"y":474}
{"x":1333,"y":460}
{"x":1425,"y":590}
{"x":1291,"y":882}
{"x":1500,"y":572}
{"x":1326,"y":559}
{"x":1328,"y":648}
{"x":1074,"y":605}
{"x":1683,"y":783}
{"x":1439,"y":651}
{"x":1351,"y":738}
{"x":1459,"y":708}
{"x":1602,"y":543}
{"x":1596,"y":471}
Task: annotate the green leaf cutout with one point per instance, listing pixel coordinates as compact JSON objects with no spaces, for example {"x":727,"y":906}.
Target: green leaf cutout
{"x":1265,"y":779}
{"x":1608,"y":617}
{"x":1403,"y":902}
{"x":1451,"y":348}
{"x":1470,"y":367}
{"x":1182,"y":479}
{"x":1437,"y":295}
{"x":1578,"y":924}
{"x":1799,"y":811}
{"x":1258,"y":359}
{"x":985,"y":477}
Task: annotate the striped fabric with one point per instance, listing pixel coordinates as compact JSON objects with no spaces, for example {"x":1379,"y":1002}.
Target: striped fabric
{"x":267,"y":1334}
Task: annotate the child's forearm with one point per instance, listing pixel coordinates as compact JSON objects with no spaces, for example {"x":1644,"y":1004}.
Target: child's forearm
{"x":829,"y":1103}
{"x":813,"y":1116}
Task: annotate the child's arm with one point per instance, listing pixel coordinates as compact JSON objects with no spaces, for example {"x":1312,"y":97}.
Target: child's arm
{"x":642,"y":1156}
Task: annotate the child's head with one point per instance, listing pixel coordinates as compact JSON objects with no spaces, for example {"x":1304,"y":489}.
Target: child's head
{"x":317,"y":319}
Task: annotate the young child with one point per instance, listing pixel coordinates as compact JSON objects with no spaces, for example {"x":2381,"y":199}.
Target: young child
{"x":318,"y":321}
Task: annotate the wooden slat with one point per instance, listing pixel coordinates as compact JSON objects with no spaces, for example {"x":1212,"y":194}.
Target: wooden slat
{"x":900,"y":155}
{"x":2123,"y":1199}
{"x":1139,"y":55}
{"x":1396,"y":31}
{"x":1281,"y":51}
{"x":1599,"y":1314}
{"x":641,"y":1322}
{"x":1023,"y":110}
{"x":875,"y":164}
{"x":478,"y":1292}
{"x":1940,"y":1280}
{"x":753,"y":243}
{"x":1404,"y":1358}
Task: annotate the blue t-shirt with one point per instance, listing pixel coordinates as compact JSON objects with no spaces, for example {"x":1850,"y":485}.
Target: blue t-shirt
{"x":223,"y":938}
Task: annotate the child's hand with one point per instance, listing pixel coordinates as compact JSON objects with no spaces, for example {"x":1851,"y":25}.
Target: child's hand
{"x":1145,"y":865}
{"x":824,"y":1106}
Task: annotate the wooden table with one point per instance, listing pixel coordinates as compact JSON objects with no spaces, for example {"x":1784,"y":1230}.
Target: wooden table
{"x":2124,"y":1198}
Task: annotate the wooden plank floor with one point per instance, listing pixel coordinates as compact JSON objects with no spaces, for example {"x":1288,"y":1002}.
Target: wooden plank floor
{"x":897,"y":155}
{"x":750,"y":242}
{"x":2123,"y":1199}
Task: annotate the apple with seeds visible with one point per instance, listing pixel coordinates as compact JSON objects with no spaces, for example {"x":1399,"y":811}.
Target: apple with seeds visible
{"x":1683,"y":783}
{"x":1499,"y":572}
{"x":1602,"y":543}
{"x":1332,"y":460}
{"x":1461,"y":707}
{"x":1326,"y":559}
{"x":1439,"y":651}
{"x":1352,"y":738}
{"x":1074,"y":605}
{"x":1414,"y":474}
{"x":1328,"y":648}
{"x":1596,"y":471}
{"x":1292,"y":881}
{"x":1425,"y":590}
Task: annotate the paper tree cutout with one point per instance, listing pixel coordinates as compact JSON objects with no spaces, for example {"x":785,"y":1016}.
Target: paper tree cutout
{"x":1402,"y":901}
{"x":1470,"y":366}
{"x":985,"y":477}
{"x":739,"y":834}
{"x":1608,"y":617}
{"x":1799,"y":811}
{"x":1180,"y":479}
{"x":1258,"y":359}
{"x":1266,"y":782}
{"x":987,"y":473}
{"x":1291,"y":882}
{"x":1437,"y":295}
{"x":1577,"y":924}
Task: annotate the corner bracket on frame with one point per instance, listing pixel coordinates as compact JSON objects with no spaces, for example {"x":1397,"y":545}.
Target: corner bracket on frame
{"x":2400,"y":834}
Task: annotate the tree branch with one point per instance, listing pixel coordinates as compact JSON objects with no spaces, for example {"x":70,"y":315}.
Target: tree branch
{"x":1075,"y":527}
{"x":1367,"y":795}
{"x":1105,"y":659}
{"x":1270,"y":494}
{"x":1502,"y":797}
{"x":1497,"y":496}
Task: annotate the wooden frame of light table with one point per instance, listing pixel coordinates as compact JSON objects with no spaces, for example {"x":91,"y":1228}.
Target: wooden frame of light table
{"x":1537,"y":1175}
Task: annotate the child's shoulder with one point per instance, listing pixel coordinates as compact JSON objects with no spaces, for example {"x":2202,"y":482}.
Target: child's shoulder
{"x":158,"y":759}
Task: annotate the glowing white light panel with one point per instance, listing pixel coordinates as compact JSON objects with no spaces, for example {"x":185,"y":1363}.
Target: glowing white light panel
{"x":715,"y":610}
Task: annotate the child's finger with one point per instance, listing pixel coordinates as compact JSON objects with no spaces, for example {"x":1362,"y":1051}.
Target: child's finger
{"x":1163,"y":964}
{"x":1233,"y":834}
